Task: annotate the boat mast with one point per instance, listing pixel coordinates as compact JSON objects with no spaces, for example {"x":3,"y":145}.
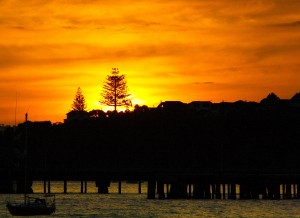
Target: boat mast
{"x":26,"y":158}
{"x":16,"y":109}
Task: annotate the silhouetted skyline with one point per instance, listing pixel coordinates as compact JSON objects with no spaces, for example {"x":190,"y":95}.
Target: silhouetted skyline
{"x":169,"y":50}
{"x":251,"y":144}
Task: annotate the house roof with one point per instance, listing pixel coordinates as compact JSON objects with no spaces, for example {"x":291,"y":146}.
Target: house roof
{"x":171,"y":104}
{"x":296,"y":98}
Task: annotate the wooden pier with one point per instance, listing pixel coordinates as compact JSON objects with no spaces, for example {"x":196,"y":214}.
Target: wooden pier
{"x":181,"y":185}
{"x":158,"y":189}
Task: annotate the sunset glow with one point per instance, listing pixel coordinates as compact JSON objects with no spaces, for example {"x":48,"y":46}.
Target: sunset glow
{"x":169,"y":50}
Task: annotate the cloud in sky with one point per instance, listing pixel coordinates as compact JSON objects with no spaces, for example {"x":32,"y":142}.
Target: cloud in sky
{"x":169,"y":50}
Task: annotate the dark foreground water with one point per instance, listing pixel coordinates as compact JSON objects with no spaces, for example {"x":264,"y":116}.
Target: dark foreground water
{"x":131,"y":204}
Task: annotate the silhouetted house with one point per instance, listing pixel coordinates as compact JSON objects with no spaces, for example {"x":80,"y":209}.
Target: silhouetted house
{"x":295,"y":100}
{"x":2,"y":127}
{"x":271,"y":99}
{"x":77,"y":116}
{"x":172,"y":105}
{"x":245,"y":105}
{"x":41,"y":124}
{"x":222,"y":107}
{"x":272,"y":102}
{"x":200,"y":105}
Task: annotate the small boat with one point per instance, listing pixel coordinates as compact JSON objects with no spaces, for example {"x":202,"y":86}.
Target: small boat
{"x":33,"y":206}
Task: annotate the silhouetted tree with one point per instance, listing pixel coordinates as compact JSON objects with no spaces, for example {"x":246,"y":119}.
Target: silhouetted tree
{"x":115,"y":91}
{"x":96,"y":113}
{"x":271,"y":99}
{"x":79,"y":101}
{"x":138,"y":108}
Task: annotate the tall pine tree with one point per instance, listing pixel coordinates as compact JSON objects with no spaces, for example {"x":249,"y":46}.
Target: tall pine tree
{"x":115,"y":91}
{"x":79,"y":101}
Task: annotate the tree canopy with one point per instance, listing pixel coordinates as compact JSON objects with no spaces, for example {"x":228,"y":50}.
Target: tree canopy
{"x":79,"y":101}
{"x":115,"y":91}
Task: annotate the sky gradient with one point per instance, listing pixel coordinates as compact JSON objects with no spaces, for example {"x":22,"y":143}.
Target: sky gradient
{"x":169,"y":50}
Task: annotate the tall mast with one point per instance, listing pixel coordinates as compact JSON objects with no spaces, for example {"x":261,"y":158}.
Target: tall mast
{"x":16,"y":109}
{"x":26,"y":158}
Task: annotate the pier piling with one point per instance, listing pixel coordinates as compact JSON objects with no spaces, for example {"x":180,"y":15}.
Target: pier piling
{"x":232,"y":191}
{"x":288,"y":191}
{"x":120,"y":187}
{"x":160,"y":189}
{"x":218,"y":191}
{"x":103,"y":185}
{"x":140,"y":187}
{"x":65,"y":187}
{"x":49,"y":187}
{"x":151,"y":189}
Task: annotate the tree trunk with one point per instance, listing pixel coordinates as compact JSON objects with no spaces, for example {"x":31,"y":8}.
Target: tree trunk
{"x":115,"y":89}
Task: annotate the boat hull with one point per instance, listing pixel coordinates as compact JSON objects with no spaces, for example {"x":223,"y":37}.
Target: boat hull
{"x":29,"y":210}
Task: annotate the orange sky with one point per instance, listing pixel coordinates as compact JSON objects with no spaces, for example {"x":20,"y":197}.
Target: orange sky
{"x":169,"y":50}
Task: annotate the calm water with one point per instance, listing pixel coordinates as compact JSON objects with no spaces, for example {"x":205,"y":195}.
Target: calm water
{"x":131,"y":204}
